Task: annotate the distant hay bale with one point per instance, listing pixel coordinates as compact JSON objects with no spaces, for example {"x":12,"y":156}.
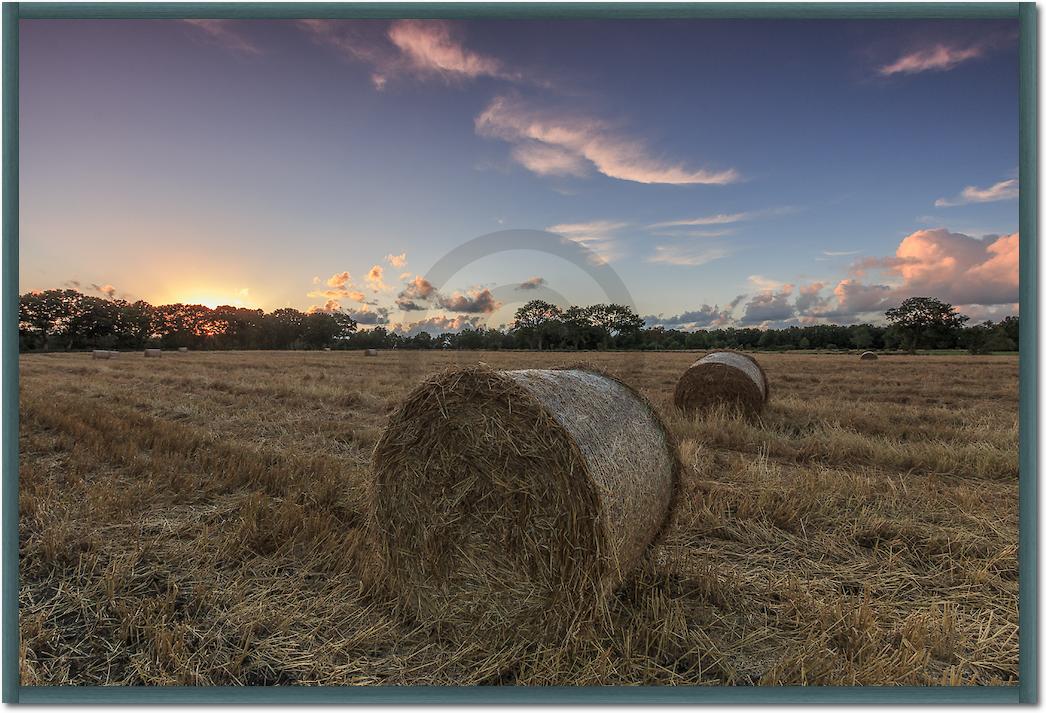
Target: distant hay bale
{"x":511,"y":503}
{"x":372,"y":352}
{"x":183,"y":349}
{"x":723,"y":377}
{"x":153,"y":353}
{"x":326,"y":349}
{"x":869,"y":356}
{"x":100,"y":354}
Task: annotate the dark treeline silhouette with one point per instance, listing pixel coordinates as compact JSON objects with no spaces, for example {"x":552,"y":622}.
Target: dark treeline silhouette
{"x":65,"y":320}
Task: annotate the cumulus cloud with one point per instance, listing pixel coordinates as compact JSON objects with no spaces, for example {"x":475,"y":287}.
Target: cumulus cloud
{"x":706,"y":316}
{"x":474,"y":302}
{"x":107,"y":290}
{"x":339,"y":279}
{"x":374,"y":279}
{"x":770,"y":306}
{"x":572,"y":141}
{"x":397,"y":261}
{"x":1001,"y":191}
{"x":681,"y":255}
{"x":532,"y":284}
{"x":417,"y":291}
{"x":226,"y":34}
{"x":339,"y":293}
{"x":437,"y":325}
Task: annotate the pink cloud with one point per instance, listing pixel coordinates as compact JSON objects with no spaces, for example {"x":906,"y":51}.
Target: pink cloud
{"x":475,"y":302}
{"x":397,"y":261}
{"x":436,"y":325}
{"x":226,"y":34}
{"x":374,"y":279}
{"x":431,"y":47}
{"x":339,"y":279}
{"x":940,"y":57}
{"x":1001,"y":191}
{"x":581,"y":139}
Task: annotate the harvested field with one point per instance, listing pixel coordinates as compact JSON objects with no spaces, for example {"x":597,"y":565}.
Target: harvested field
{"x":201,"y":521}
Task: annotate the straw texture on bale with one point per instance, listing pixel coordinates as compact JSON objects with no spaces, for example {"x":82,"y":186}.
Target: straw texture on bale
{"x":153,"y":353}
{"x":372,"y":352}
{"x":723,"y":377}
{"x":868,"y":356}
{"x":100,"y":354}
{"x":509,"y":504}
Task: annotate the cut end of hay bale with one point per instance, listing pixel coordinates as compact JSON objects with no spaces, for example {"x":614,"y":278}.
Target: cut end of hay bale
{"x":510,"y":503}
{"x":723,"y":378}
{"x":100,"y":354}
{"x":869,"y":356}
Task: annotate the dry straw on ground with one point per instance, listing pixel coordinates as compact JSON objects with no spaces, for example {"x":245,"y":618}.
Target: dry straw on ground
{"x":869,"y":356}
{"x":153,"y":353}
{"x":723,"y":377}
{"x":198,"y":522}
{"x":512,"y":503}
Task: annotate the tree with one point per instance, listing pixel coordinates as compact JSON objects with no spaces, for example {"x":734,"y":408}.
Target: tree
{"x":920,"y":319}
{"x":535,"y":321}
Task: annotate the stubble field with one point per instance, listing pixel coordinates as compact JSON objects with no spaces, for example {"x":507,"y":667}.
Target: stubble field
{"x":198,"y":520}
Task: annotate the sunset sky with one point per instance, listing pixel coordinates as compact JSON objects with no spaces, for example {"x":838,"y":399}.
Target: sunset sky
{"x":746,"y":173}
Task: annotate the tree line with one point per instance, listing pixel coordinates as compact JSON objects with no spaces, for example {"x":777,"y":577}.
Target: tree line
{"x":66,"y":320}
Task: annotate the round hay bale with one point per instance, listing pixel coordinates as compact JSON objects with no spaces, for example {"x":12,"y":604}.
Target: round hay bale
{"x":183,"y":349}
{"x":869,"y":356}
{"x":511,"y":503}
{"x":723,"y":377}
{"x":100,"y":354}
{"x":372,"y":352}
{"x":326,"y":349}
{"x":153,"y":353}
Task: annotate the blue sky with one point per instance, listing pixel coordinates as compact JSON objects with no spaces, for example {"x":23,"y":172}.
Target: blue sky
{"x":756,"y":173}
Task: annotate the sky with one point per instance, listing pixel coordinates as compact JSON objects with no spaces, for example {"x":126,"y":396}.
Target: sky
{"x":729,"y":173}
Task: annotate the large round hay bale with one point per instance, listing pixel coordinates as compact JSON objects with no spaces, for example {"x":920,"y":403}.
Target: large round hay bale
{"x":182,"y":350}
{"x":869,"y":356}
{"x":511,"y":503}
{"x":372,"y":352}
{"x":100,"y":354}
{"x":153,"y":353}
{"x":723,"y":377}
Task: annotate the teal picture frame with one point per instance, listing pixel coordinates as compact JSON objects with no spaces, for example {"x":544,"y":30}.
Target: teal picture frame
{"x":1027,"y":690}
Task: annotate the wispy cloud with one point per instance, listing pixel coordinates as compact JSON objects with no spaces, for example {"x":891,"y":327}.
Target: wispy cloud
{"x":677,"y":255}
{"x":420,"y":49}
{"x":1001,"y":191}
{"x":599,"y":236}
{"x":939,"y":57}
{"x":839,"y":253}
{"x":717,"y":219}
{"x":225,"y":33}
{"x":558,"y":142}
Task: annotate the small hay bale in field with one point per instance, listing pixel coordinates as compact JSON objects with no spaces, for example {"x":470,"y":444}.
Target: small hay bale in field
{"x":511,"y":503}
{"x":100,"y":354}
{"x":869,"y":356}
{"x":372,"y":352}
{"x":183,"y":349}
{"x":153,"y":353}
{"x":723,"y":377}
{"x":326,"y":349}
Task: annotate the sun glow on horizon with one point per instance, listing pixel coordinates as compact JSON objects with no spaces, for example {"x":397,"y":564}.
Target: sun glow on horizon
{"x":214,"y":297}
